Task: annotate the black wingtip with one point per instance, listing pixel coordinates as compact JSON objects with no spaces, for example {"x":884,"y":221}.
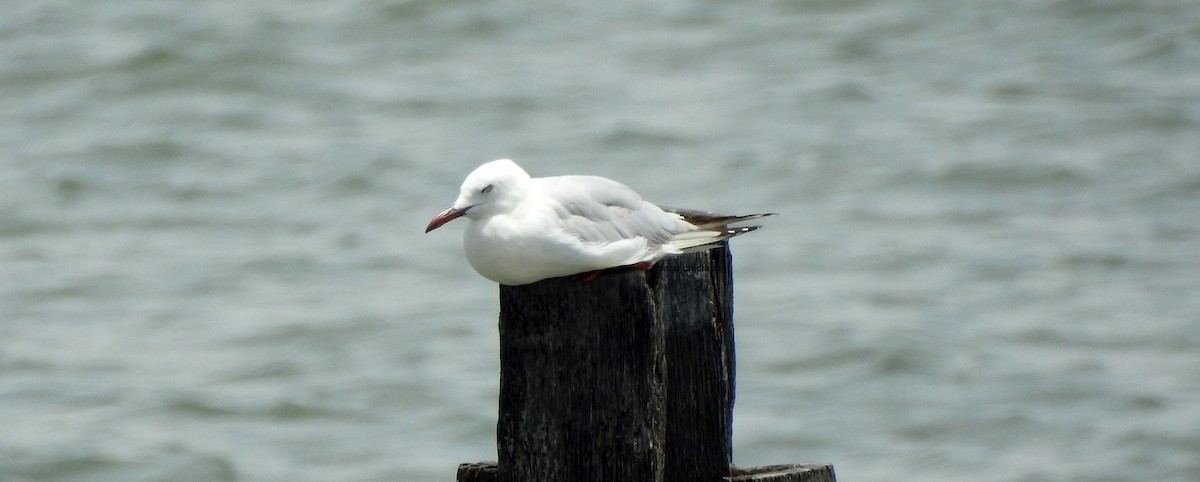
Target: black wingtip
{"x":736,"y":230}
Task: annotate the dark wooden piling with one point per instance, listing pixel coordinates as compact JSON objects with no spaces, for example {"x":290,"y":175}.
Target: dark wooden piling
{"x":628,"y":377}
{"x":581,"y":381}
{"x":694,"y":294}
{"x":784,"y":473}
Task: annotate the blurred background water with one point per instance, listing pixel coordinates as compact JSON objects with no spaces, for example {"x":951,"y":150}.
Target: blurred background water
{"x":212,"y":264}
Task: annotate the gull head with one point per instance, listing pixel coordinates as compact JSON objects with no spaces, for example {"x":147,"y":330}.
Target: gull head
{"x":491,"y":189}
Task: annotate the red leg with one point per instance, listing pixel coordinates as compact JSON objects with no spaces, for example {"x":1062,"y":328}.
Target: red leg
{"x":588,"y":276}
{"x":591,"y":275}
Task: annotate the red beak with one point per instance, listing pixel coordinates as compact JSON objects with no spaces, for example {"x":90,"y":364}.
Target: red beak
{"x":445,"y":217}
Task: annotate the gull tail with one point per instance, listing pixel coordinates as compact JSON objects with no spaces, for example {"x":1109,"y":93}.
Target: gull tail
{"x":714,"y":229}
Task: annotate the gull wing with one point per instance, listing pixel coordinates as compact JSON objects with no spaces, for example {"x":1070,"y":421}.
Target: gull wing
{"x":600,"y":210}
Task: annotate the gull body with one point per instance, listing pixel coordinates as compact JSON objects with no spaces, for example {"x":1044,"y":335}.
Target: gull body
{"x":523,"y":229}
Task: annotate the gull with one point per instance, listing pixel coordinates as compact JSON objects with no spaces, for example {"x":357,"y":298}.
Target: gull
{"x":524,"y":229}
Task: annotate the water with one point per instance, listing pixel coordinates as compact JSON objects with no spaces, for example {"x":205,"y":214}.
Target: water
{"x":213,"y":267}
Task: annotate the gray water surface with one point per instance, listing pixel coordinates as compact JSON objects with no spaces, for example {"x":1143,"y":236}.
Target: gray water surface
{"x":212,"y":264}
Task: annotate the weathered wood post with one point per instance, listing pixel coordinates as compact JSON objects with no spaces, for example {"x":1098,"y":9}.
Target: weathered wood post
{"x":695,"y":305}
{"x":581,"y":381}
{"x":628,"y":378}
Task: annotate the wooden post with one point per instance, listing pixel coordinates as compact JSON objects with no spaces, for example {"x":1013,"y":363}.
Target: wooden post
{"x":784,"y":473}
{"x":695,"y":304}
{"x":487,"y":472}
{"x":581,"y":381}
{"x":626,"y":378}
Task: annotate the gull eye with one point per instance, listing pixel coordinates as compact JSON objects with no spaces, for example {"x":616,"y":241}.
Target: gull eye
{"x":486,"y":189}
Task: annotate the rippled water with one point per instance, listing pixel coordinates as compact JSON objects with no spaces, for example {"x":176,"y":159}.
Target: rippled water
{"x":212,"y":265}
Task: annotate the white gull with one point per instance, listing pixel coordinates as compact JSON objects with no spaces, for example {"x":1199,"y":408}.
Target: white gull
{"x":524,"y":229}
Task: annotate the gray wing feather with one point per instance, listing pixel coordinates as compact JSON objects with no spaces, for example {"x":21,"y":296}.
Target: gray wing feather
{"x":599,"y":210}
